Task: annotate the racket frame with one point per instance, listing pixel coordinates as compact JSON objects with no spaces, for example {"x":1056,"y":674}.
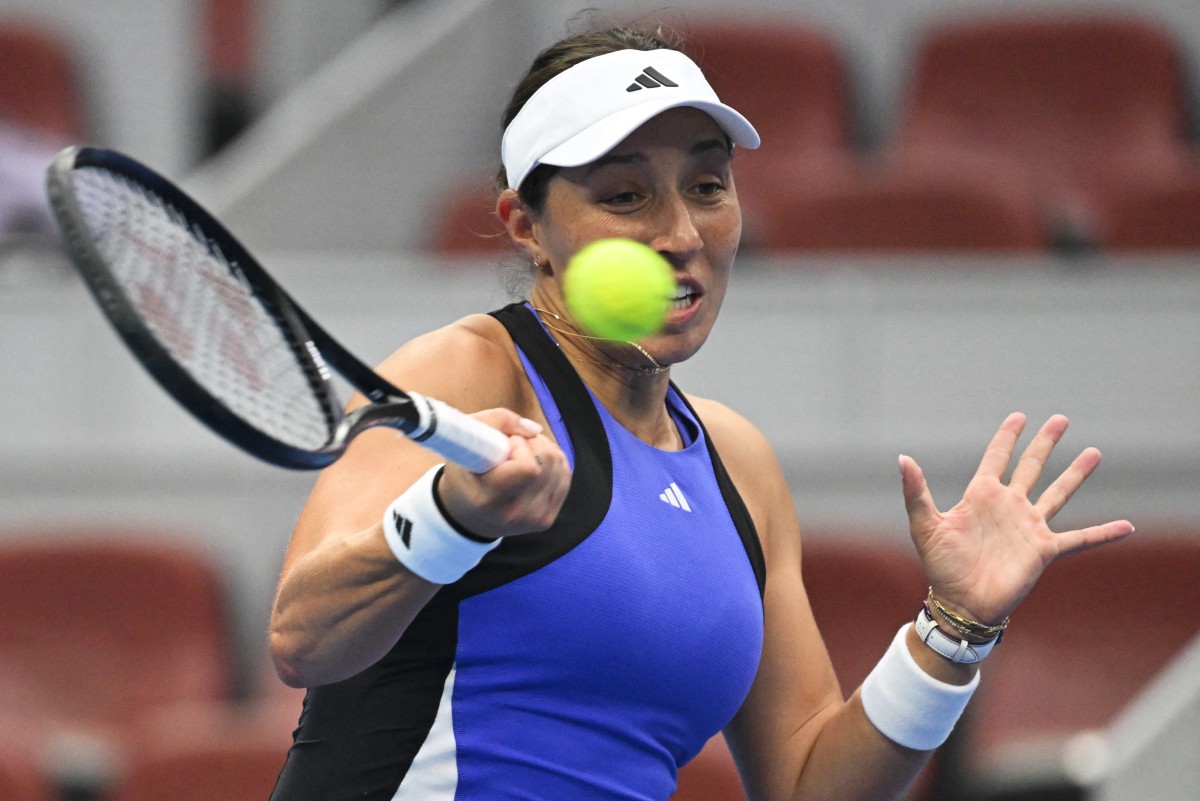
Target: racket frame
{"x":313,"y":348}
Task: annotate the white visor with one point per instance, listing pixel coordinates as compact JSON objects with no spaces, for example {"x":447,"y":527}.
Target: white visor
{"x":585,"y":111}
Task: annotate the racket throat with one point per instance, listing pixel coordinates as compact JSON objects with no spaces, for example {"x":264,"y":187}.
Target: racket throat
{"x":413,"y":416}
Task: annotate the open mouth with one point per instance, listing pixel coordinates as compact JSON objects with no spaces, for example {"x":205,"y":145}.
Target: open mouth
{"x":685,"y":295}
{"x":683,"y":298}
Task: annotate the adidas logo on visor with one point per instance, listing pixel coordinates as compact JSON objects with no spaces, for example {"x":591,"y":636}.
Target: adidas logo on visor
{"x":650,"y":79}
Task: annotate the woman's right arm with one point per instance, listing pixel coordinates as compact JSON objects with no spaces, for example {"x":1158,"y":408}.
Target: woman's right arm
{"x":343,"y":598}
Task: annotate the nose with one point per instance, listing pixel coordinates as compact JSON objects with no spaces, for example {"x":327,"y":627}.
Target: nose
{"x":676,"y":236}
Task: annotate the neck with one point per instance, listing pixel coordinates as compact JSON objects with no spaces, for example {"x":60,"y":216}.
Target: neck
{"x":623,"y":376}
{"x":604,"y":352}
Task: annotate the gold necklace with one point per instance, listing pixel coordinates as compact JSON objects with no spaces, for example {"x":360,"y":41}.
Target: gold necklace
{"x":654,"y":369}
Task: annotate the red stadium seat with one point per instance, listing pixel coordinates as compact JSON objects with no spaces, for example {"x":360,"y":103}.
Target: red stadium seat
{"x":466,"y":223}
{"x":1152,"y":214}
{"x":1094,"y":631}
{"x":230,"y":41}
{"x":858,"y":626}
{"x":22,"y":777}
{"x":39,"y":82}
{"x":920,"y":205}
{"x":99,"y":632}
{"x":204,"y":753}
{"x":787,"y":76}
{"x":229,"y":45}
{"x":790,"y":78}
{"x":1074,"y":100}
{"x":227,"y":769}
{"x":711,"y":776}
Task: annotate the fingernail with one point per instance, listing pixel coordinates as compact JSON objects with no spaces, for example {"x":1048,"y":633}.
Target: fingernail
{"x":530,"y":428}
{"x":900,"y":459}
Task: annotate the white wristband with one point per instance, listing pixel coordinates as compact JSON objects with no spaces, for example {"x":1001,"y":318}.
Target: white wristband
{"x":909,"y":706}
{"x":424,"y":541}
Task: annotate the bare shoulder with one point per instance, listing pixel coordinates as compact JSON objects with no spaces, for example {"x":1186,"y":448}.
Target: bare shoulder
{"x":739,"y":442}
{"x":751,"y":463}
{"x":470,"y":363}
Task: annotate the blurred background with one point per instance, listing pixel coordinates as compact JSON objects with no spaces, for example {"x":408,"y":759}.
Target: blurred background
{"x":960,"y":209}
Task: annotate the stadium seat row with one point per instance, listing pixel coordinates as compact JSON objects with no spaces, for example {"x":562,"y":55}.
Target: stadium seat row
{"x":118,"y":662}
{"x":119,"y":668}
{"x":1015,"y":133}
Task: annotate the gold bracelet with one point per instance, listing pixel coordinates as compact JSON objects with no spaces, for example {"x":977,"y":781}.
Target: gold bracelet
{"x":966,"y":626}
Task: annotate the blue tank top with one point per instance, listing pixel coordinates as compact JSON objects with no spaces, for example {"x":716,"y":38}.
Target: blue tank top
{"x":586,"y":662}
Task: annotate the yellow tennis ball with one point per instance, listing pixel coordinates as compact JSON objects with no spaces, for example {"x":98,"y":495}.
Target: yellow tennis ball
{"x":619,"y":289}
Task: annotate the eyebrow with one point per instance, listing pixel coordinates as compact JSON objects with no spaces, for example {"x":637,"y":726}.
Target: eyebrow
{"x":701,"y":147}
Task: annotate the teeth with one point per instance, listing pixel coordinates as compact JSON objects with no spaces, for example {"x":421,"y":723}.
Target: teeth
{"x":682,"y":298}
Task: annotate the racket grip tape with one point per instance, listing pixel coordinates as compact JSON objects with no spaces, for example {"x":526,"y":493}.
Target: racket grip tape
{"x":456,"y":436}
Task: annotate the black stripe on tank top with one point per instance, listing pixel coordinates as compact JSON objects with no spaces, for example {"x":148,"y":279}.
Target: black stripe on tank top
{"x":357,"y":738}
{"x":587,"y":500}
{"x":734,"y":503}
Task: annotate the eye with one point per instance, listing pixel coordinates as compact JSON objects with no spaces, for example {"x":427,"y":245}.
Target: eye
{"x":709,"y":189}
{"x":622,"y":199}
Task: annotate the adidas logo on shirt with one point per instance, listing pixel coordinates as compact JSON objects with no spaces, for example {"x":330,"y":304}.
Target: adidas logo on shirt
{"x":674,"y":496}
{"x":650,"y":79}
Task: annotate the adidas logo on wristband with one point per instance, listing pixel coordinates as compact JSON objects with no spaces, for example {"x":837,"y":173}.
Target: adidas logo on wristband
{"x":403,"y":528}
{"x":424,"y":541}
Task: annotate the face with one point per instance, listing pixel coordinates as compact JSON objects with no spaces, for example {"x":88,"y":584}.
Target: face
{"x":669,"y":186}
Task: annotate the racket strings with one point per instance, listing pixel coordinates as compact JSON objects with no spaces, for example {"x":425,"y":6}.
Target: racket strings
{"x":198,"y":305}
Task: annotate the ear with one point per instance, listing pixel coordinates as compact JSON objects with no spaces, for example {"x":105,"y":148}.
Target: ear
{"x":519,"y":221}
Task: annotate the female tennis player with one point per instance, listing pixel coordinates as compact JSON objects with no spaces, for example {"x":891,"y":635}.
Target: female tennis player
{"x":578,"y":621}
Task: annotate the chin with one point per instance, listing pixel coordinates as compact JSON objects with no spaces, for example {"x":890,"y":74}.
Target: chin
{"x":673,"y":348}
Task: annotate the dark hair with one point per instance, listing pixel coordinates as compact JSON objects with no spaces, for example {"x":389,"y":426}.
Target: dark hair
{"x":560,"y":57}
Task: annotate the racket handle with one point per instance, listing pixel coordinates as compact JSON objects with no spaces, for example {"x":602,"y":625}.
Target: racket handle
{"x":460,"y":438}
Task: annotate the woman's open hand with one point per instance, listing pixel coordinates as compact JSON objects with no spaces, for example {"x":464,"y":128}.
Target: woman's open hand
{"x":984,"y":555}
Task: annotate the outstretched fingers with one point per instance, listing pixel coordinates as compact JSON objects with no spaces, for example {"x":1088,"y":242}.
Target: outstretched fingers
{"x":1060,"y":491}
{"x":923,"y":514}
{"x":1081,"y":539}
{"x":1000,"y":450}
{"x":1033,"y":461}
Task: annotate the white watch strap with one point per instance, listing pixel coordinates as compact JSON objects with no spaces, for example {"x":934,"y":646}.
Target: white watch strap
{"x":956,"y":650}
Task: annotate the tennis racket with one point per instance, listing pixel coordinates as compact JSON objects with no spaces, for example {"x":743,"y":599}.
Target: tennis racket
{"x":216,"y":331}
